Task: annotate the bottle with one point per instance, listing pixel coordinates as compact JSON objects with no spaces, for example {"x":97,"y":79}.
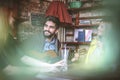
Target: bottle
{"x":65,"y":58}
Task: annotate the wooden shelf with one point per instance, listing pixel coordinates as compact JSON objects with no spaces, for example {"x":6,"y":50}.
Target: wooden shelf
{"x":75,"y":10}
{"x":84,"y":25}
{"x":76,"y":43}
{"x":69,"y":34}
{"x":81,"y":26}
{"x":91,"y":17}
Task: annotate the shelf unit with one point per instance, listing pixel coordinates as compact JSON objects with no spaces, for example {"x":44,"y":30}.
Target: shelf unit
{"x":76,"y":19}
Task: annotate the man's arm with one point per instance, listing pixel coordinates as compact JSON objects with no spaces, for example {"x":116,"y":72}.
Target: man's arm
{"x":37,"y":63}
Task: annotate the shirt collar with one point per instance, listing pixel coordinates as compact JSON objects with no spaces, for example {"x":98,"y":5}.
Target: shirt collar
{"x":52,"y":41}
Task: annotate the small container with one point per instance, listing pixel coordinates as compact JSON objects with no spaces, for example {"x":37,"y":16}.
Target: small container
{"x":75,"y":4}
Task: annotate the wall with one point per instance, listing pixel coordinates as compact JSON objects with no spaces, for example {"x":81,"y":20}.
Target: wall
{"x":31,"y":17}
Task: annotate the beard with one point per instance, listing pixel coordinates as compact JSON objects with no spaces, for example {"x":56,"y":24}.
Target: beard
{"x":48,"y":34}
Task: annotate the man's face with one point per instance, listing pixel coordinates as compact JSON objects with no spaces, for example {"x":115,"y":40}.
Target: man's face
{"x":49,"y":29}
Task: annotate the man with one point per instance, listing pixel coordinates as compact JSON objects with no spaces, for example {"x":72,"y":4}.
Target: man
{"x":44,"y":45}
{"x":50,"y":31}
{"x":42,"y":48}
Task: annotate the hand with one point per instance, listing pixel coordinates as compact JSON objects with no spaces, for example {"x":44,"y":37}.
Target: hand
{"x":56,"y":67}
{"x":59,"y":64}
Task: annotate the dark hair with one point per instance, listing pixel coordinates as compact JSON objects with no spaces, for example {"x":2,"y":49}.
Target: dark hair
{"x":53,"y":19}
